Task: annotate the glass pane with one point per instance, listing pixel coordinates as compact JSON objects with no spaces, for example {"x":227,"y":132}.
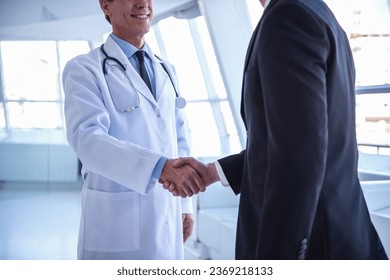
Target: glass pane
{"x":212,"y":64}
{"x":182,"y":54}
{"x":367,"y":24}
{"x":70,"y":49}
{"x":30,"y":70}
{"x":362,"y":16}
{"x":233,"y":137}
{"x":204,"y":137}
{"x":372,"y":60}
{"x":255,"y":10}
{"x":373,"y":119}
{"x":2,"y":116}
{"x":34,"y":115}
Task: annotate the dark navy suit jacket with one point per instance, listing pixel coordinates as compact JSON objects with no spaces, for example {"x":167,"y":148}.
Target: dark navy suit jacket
{"x":300,"y":193}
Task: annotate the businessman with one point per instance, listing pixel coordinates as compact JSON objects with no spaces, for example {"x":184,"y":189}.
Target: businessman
{"x":300,"y":193}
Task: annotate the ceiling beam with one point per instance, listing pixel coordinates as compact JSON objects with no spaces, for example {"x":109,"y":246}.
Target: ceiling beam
{"x":72,"y":19}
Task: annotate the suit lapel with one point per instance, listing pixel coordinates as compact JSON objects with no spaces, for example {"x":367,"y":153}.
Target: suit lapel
{"x":247,"y":59}
{"x":251,"y":43}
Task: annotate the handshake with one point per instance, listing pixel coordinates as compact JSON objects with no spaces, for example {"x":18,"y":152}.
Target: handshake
{"x":187,"y":176}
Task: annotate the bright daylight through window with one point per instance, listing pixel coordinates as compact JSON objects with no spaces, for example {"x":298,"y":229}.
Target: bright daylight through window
{"x":31,"y":95}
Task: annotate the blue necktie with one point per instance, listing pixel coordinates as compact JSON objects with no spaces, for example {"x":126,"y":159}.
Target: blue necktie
{"x":143,"y":72}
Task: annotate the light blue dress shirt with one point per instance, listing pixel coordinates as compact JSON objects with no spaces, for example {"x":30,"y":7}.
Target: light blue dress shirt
{"x":129,"y":50}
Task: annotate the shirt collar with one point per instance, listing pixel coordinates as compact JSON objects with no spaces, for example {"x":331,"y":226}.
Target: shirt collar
{"x":128,"y":49}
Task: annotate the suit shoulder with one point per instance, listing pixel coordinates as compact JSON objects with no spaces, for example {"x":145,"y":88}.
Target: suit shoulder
{"x":315,"y":8}
{"x":304,"y":14}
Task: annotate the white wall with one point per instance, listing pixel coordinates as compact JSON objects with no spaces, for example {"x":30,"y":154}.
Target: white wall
{"x":37,"y":162}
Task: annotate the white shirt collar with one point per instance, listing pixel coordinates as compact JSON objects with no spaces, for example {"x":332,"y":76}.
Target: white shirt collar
{"x":266,"y":3}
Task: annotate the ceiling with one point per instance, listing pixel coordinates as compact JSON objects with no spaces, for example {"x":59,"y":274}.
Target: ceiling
{"x":70,"y":19}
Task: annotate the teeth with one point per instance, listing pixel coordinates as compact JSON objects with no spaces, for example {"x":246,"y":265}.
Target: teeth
{"x":141,"y":16}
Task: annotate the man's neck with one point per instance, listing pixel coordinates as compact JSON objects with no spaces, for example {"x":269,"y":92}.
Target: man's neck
{"x":266,"y":2}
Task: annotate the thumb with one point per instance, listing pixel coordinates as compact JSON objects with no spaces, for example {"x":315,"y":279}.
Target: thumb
{"x":180,"y":162}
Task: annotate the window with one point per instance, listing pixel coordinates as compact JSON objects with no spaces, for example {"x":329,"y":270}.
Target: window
{"x":2,"y":117}
{"x":255,"y":10}
{"x":31,"y":89}
{"x":208,"y":111}
{"x":30,"y":78}
{"x":373,"y":119}
{"x":31,"y":83}
{"x":367,"y":23}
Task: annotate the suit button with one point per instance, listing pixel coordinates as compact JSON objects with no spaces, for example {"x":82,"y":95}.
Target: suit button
{"x":303,"y":249}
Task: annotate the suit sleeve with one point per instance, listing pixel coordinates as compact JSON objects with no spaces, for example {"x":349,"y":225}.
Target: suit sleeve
{"x":232,"y":166}
{"x":294,"y":48}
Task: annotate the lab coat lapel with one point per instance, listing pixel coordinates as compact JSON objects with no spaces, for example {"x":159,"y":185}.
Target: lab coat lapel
{"x":160,"y":76}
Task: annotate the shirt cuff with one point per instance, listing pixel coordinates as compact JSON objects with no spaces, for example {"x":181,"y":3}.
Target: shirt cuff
{"x":159,"y":167}
{"x":221,"y":175}
{"x":156,"y":174}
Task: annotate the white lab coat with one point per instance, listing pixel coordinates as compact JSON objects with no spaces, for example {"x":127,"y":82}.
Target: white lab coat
{"x":120,"y":218}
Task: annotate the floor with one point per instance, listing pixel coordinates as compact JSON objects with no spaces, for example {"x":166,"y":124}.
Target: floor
{"x":39,"y":221}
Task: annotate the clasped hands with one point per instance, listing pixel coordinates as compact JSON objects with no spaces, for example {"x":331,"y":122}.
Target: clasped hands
{"x":187,"y":176}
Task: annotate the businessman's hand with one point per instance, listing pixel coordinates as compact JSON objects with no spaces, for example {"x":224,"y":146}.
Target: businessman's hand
{"x":207,"y":172}
{"x":184,"y":179}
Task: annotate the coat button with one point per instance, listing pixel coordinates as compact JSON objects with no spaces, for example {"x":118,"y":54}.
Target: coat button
{"x":303,"y":249}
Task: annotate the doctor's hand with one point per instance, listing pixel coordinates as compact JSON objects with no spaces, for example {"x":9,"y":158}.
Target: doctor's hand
{"x":207,"y":172}
{"x":184,"y":179}
{"x":188,"y":225}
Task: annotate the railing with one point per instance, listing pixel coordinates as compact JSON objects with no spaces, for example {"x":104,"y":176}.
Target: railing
{"x":372,"y":89}
{"x":376,"y":89}
{"x":374,"y":149}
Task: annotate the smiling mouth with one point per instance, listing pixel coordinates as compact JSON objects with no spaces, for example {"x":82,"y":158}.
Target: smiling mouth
{"x":143,"y":17}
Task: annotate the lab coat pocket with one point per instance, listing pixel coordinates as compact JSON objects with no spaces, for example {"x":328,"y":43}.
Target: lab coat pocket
{"x":112,"y":221}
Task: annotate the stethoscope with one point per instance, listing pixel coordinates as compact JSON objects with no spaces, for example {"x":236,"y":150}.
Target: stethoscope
{"x":180,"y":102}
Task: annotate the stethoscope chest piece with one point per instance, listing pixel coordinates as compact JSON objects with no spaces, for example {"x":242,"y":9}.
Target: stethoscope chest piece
{"x":180,"y":102}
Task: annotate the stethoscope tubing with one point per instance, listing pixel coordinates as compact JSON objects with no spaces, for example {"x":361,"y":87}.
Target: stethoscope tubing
{"x":180,"y":102}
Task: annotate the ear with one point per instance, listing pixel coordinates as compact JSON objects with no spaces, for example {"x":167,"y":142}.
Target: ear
{"x":105,"y":6}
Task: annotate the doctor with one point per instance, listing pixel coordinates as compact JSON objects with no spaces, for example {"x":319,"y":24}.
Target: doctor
{"x":125,"y":133}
